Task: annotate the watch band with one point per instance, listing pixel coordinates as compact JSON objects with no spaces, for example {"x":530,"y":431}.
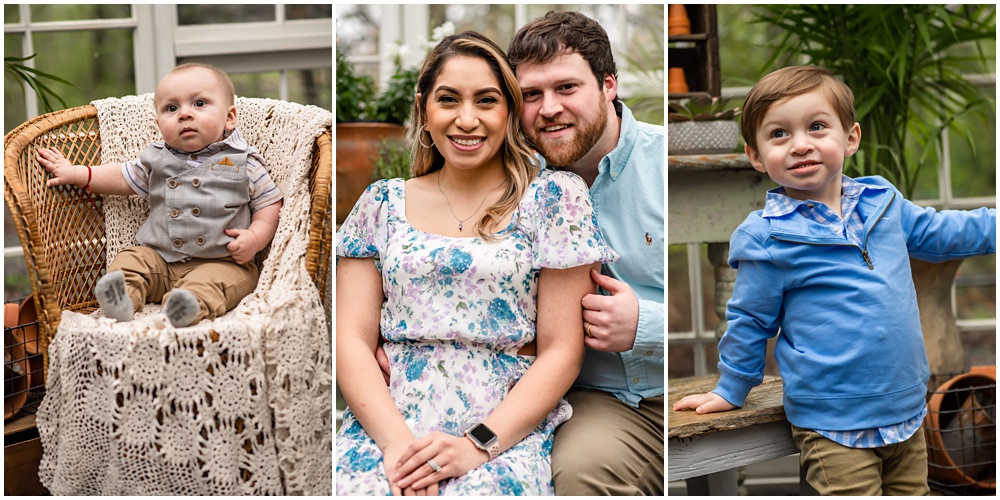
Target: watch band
{"x":493,"y":450}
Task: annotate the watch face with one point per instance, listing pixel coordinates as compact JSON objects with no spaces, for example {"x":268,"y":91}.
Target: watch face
{"x":482,"y":434}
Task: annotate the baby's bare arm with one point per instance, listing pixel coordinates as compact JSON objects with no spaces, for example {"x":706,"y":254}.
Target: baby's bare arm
{"x":249,"y":241}
{"x":104,"y":179}
{"x":265,"y":223}
{"x":709,"y":402}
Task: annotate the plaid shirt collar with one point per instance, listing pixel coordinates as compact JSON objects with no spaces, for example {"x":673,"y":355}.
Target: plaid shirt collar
{"x":779,"y":204}
{"x":851,"y":226}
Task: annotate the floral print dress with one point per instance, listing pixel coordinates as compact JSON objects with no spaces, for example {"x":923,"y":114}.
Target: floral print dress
{"x":457,"y":310}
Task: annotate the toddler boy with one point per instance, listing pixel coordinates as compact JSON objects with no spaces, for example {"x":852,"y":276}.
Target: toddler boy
{"x":826,"y":262}
{"x":213,"y":205}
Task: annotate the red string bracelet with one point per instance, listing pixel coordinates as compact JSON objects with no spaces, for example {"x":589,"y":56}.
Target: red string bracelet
{"x":90,"y":174}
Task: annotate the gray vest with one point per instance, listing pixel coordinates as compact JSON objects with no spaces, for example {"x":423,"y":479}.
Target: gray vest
{"x":190,"y":207}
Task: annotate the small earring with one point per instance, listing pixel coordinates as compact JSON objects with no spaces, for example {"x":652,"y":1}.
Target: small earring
{"x":422,"y":142}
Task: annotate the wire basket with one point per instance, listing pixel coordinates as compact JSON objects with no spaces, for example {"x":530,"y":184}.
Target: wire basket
{"x":961,"y":434}
{"x":23,"y":372}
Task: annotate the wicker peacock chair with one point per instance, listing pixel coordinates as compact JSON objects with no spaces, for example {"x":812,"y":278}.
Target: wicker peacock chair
{"x":62,"y":232}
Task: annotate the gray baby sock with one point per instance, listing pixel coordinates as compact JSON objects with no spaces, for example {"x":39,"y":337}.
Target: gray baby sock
{"x":111,"y":295}
{"x":181,"y":308}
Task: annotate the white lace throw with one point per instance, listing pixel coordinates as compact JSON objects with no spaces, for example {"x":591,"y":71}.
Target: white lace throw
{"x":236,"y":406}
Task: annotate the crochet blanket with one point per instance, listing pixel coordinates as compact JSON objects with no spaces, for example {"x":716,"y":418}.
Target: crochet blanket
{"x":236,"y":406}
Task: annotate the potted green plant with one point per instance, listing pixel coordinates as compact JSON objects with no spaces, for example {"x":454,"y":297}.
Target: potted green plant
{"x":905,"y":65}
{"x":702,"y":125}
{"x":369,"y":121}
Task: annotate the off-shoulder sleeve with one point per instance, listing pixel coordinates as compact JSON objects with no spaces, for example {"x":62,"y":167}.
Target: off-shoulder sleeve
{"x":362,"y":231}
{"x":566,"y":231}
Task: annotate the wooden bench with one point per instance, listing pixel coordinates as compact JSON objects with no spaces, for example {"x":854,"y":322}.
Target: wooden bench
{"x":705,"y":450}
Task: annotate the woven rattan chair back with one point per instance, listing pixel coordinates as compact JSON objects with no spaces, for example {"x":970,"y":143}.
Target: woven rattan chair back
{"x":62,"y":230}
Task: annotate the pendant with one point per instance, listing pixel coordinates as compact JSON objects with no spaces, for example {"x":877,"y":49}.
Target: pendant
{"x":460,"y":227}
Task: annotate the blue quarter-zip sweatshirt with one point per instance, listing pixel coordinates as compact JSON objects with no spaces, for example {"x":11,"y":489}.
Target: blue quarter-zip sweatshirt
{"x":850,"y":352}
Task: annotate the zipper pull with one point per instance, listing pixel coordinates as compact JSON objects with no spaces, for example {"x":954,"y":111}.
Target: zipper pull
{"x":868,"y":260}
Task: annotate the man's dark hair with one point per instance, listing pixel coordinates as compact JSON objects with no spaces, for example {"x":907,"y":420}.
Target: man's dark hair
{"x":558,"y":33}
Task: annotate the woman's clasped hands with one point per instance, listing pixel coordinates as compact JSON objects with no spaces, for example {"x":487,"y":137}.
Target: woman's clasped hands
{"x":428,"y":460}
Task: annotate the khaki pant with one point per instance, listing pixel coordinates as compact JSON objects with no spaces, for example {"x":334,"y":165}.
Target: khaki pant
{"x":608,"y":447}
{"x":218,"y":284}
{"x":834,"y":469}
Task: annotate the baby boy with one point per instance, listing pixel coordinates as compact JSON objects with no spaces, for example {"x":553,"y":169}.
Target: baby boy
{"x":213,"y":205}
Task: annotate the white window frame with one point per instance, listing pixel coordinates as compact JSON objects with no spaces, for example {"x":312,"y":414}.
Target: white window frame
{"x":159,"y":44}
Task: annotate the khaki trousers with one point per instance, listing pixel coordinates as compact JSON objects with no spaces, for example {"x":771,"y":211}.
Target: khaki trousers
{"x":834,"y":469}
{"x":608,"y":447}
{"x":218,"y":284}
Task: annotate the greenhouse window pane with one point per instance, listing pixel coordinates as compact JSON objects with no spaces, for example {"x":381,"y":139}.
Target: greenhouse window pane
{"x":98,"y":62}
{"x":14,"y":110}
{"x":80,"y":12}
{"x":313,"y":86}
{"x":267,"y":85}
{"x":975,"y":288}
{"x":973,"y":167}
{"x":223,"y":14}
{"x":11,"y":14}
{"x":358,"y":30}
{"x":16,"y":284}
{"x":495,"y":22}
{"x":310,"y":11}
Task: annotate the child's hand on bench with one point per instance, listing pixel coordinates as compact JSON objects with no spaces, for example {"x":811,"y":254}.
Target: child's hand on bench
{"x":709,"y":402}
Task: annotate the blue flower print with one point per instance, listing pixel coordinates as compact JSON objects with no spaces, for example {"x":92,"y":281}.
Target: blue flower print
{"x":415,"y":368}
{"x":456,"y":312}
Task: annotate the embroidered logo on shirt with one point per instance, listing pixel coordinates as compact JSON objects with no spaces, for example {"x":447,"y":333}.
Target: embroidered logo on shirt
{"x":226,"y":161}
{"x":649,"y":240}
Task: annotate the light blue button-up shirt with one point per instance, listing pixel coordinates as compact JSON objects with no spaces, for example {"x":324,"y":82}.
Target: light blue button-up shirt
{"x":628,"y":197}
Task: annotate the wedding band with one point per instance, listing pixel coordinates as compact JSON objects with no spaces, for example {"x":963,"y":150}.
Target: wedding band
{"x":587,"y":330}
{"x":435,"y":467}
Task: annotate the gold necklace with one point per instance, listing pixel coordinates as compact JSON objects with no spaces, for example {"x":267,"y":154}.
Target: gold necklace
{"x":461,"y":222}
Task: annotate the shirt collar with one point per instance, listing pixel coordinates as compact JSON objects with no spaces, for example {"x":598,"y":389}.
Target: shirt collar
{"x":232,"y":139}
{"x":778,"y":203}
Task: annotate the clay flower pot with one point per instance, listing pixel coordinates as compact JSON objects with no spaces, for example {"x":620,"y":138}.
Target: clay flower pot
{"x":960,"y":428}
{"x":677,"y":21}
{"x":676,"y":81}
{"x":357,"y":148}
{"x":16,"y":376}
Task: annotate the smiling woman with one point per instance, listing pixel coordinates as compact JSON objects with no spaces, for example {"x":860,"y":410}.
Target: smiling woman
{"x":481,"y":328}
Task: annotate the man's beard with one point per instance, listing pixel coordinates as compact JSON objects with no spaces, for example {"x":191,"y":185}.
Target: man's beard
{"x":563,"y":152}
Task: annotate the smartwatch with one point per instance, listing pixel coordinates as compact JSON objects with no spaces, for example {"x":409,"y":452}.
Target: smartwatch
{"x":484,"y":439}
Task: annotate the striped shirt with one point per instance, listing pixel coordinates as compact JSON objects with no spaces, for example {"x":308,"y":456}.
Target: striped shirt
{"x":263,"y":191}
{"x":852,"y":228}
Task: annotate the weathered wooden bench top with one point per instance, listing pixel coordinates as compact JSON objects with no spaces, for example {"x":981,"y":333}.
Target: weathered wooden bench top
{"x":762,"y":406}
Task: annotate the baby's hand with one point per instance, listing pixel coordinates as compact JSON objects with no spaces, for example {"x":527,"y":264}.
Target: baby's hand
{"x":61,"y":169}
{"x":709,"y":402}
{"x":244,"y":247}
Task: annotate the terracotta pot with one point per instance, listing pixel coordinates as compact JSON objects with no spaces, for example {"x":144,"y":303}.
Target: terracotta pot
{"x":676,"y":82}
{"x":16,"y":377}
{"x":677,"y":21}
{"x":28,"y":318}
{"x":960,"y":428}
{"x":357,"y":148}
